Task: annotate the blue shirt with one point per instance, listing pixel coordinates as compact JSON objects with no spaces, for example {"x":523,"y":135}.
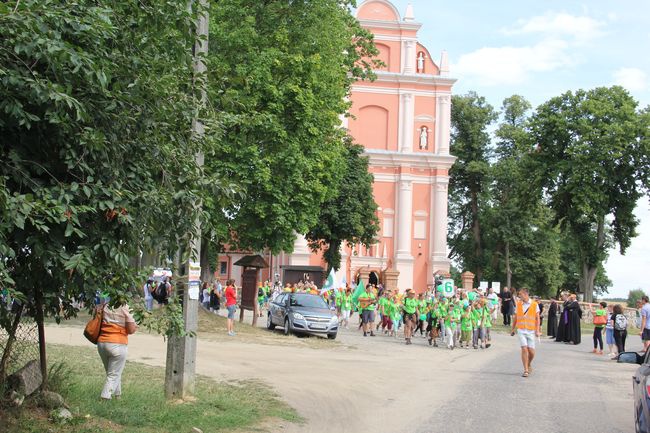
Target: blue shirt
{"x":645,"y":312}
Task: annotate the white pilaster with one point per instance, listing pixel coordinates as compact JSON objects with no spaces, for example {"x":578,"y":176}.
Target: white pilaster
{"x":443,"y":124}
{"x":407,"y":124}
{"x":408,"y":58}
{"x":301,"y":252}
{"x":439,"y":259}
{"x":404,"y":258}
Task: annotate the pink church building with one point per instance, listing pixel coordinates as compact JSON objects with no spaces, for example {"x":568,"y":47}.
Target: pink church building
{"x":403,"y":121}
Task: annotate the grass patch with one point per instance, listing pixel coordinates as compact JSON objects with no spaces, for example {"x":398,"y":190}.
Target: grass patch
{"x":143,"y":407}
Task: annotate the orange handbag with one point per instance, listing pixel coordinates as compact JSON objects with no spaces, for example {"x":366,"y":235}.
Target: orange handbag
{"x":94,"y":327}
{"x":600,"y":320}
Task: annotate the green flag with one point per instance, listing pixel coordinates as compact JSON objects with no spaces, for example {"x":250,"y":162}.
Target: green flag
{"x":330,"y":284}
{"x":358,"y":291}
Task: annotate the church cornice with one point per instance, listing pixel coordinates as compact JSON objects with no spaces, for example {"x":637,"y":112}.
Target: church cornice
{"x":388,"y":158}
{"x":393,"y":25}
{"x":396,"y":77}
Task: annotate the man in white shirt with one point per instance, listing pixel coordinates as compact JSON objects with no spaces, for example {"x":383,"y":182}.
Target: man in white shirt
{"x":493,"y":303}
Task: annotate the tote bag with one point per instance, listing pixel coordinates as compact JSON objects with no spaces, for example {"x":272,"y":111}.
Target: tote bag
{"x":94,"y":327}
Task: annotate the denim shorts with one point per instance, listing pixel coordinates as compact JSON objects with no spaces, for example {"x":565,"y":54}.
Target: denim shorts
{"x":231,"y":311}
{"x":609,"y":336}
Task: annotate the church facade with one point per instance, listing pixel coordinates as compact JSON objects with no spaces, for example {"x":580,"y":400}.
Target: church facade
{"x":403,"y":121}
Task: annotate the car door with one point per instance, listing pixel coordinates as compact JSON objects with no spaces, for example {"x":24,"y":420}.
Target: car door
{"x":278,"y":309}
{"x":639,"y":381}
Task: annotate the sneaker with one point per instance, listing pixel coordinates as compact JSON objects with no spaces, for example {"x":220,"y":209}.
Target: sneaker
{"x":430,"y":342}
{"x":365,"y":334}
{"x":372,"y":334}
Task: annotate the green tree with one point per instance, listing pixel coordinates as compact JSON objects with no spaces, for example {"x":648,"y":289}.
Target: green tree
{"x":98,"y":164}
{"x":592,"y":162}
{"x":350,"y":216}
{"x":279,"y":73}
{"x":634,"y":296}
{"x":471,"y":116}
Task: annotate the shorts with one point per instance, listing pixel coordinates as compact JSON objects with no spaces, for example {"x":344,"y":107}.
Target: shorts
{"x":609,"y":336}
{"x":231,"y":311}
{"x":526,"y":339}
{"x":410,"y":317}
{"x":465,"y":335}
{"x":645,"y":335}
{"x":368,"y":316}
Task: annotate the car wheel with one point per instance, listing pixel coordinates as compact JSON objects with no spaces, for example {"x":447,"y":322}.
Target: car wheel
{"x":269,"y":323}
{"x":287,"y":327}
{"x":331,"y":336}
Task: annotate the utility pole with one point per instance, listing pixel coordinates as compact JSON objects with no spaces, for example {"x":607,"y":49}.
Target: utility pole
{"x":181,"y":351}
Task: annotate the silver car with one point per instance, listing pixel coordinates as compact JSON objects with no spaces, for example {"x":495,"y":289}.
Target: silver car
{"x":302,"y":313}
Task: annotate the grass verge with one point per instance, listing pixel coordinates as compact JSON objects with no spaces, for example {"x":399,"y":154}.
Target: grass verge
{"x":242,"y":406}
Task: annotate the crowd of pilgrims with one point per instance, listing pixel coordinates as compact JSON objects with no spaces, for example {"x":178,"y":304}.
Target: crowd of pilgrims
{"x":463,"y":320}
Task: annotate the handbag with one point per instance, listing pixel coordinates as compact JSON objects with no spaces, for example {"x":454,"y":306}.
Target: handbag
{"x":94,"y":327}
{"x":600,"y":320}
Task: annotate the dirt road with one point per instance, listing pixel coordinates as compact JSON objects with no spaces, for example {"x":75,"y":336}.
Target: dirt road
{"x":380,"y":385}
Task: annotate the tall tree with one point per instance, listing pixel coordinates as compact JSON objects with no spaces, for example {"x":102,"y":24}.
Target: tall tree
{"x":98,"y":164}
{"x":592,"y":161}
{"x":350,"y":216}
{"x":471,"y":116}
{"x":280,"y":72}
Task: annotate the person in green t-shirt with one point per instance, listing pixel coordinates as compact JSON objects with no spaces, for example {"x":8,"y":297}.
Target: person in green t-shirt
{"x":368,"y":305}
{"x":599,"y":312}
{"x":476,"y":315}
{"x":422,"y":314}
{"x":395,"y":312}
{"x":382,"y":305}
{"x":346,"y":306}
{"x":410,"y":308}
{"x":486,"y":339}
{"x":451,"y":319}
{"x":466,"y":326}
{"x":432,"y":325}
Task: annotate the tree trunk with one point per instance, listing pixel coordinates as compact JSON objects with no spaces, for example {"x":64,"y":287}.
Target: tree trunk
{"x":589,"y":270}
{"x":333,"y":255}
{"x":508,"y":269}
{"x":11,"y":338}
{"x":206,"y":272}
{"x":476,"y":234}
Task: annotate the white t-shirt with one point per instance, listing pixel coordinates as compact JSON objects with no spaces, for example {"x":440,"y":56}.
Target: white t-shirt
{"x":147,"y":293}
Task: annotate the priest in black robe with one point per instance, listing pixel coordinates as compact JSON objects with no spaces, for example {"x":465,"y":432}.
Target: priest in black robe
{"x":551,"y":326}
{"x":574,"y":314}
{"x":560,"y":335}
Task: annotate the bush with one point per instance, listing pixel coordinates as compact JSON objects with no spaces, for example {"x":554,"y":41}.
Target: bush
{"x":634,"y":296}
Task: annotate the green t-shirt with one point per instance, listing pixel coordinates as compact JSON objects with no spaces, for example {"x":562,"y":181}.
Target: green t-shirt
{"x":487,"y":318}
{"x":477,"y":315}
{"x":367,"y":295}
{"x":394,"y":311}
{"x":466,"y":321}
{"x":383,"y":305}
{"x":410,"y":305}
{"x":600,"y":312}
{"x":346,"y":302}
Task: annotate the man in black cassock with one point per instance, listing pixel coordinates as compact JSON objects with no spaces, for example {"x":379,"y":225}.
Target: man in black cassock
{"x":564,"y":321}
{"x":574,"y":313}
{"x":551,"y":327}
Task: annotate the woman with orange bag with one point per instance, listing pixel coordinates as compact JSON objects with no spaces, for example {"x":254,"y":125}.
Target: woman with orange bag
{"x":117,"y":325}
{"x":600,"y":320}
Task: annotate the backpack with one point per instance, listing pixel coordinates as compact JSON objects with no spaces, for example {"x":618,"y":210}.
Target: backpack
{"x":161,"y":292}
{"x":620,"y":324}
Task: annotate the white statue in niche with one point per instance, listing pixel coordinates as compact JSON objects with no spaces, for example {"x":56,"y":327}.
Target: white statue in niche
{"x":421,"y":62}
{"x":424,"y":138}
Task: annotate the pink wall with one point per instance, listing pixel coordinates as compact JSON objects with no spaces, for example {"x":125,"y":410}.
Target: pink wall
{"x":375,"y":120}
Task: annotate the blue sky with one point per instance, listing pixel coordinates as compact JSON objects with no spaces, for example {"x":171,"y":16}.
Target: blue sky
{"x":540,"y":49}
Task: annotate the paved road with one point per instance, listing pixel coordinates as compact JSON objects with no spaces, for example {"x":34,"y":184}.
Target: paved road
{"x":380,"y":385}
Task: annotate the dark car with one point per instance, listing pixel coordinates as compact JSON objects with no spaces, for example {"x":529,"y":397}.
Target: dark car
{"x":302,"y":313}
{"x":641,"y":385}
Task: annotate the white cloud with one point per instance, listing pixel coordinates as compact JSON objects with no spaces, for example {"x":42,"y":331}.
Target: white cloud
{"x":553,"y":24}
{"x":490,"y":66}
{"x":633,"y":79}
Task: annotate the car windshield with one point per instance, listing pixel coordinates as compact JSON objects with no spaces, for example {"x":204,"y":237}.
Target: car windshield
{"x":309,"y":301}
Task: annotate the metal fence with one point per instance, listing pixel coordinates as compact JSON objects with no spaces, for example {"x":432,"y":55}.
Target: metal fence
{"x":24,"y":347}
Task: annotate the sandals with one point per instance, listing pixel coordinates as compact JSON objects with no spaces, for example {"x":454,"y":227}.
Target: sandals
{"x":525,"y":374}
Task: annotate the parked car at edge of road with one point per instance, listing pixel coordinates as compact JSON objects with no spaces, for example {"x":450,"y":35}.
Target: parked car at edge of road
{"x":641,"y":386}
{"x":302,"y":313}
